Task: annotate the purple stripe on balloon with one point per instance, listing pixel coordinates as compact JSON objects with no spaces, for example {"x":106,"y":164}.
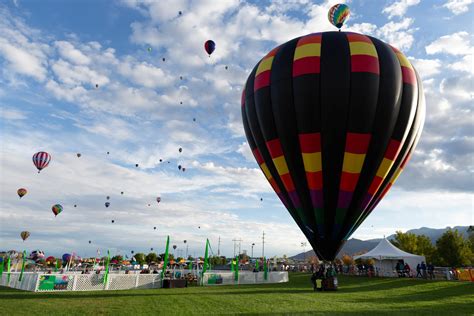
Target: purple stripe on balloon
{"x":283,"y":200}
{"x":345,"y":199}
{"x":295,"y":199}
{"x":365,"y":201}
{"x":317,"y":198}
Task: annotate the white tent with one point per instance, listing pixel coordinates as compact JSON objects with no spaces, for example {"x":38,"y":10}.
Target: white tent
{"x":386,"y":257}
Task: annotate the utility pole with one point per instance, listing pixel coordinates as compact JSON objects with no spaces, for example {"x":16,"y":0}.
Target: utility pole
{"x":235,"y":240}
{"x":253,"y":244}
{"x":263,"y":244}
{"x":219,"y":247}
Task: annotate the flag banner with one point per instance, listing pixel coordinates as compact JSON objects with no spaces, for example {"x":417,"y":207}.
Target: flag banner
{"x":236,"y":276}
{"x":165,"y":261}
{"x":8,"y":269}
{"x":107,"y":263}
{"x":22,"y":266}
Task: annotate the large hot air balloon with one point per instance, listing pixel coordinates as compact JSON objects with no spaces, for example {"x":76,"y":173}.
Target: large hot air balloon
{"x":21,"y":192}
{"x":338,"y":14}
{"x":41,"y":160}
{"x":209,"y":46}
{"x":50,"y":259}
{"x":57,"y":208}
{"x":24,"y":235}
{"x":36,"y":255}
{"x":332,"y":119}
{"x":66,"y":257}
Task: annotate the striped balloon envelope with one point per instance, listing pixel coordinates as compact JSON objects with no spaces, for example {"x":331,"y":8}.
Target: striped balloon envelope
{"x":332,"y":119}
{"x":338,"y":14}
{"x":41,"y":160}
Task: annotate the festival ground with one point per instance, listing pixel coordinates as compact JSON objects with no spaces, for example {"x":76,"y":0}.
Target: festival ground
{"x":356,"y":295}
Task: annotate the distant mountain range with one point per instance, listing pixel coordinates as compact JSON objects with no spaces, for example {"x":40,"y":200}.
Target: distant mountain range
{"x":353,"y":245}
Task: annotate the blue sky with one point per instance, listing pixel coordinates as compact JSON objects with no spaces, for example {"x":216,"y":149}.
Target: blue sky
{"x":53,"y":53}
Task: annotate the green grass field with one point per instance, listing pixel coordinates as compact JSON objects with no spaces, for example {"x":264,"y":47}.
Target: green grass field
{"x":356,"y":295}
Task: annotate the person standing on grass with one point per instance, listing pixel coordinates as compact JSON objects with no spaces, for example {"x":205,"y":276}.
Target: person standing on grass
{"x":430,"y":268}
{"x":418,"y":270}
{"x":423,"y":269}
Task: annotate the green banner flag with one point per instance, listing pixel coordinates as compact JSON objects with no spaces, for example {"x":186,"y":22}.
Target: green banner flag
{"x":206,"y":258}
{"x":57,"y":266}
{"x":22,"y":266}
{"x":236,"y":274}
{"x":106,"y":275}
{"x":1,"y":267}
{"x":190,"y":265}
{"x":257,"y":266}
{"x":165,"y":261}
{"x":8,"y":270}
{"x":265,"y":269}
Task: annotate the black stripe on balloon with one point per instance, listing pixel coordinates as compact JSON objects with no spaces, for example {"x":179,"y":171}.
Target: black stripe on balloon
{"x":285,"y":122}
{"x":335,"y":87}
{"x":387,"y":109}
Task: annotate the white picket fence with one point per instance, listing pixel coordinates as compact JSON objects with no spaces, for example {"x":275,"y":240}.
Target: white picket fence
{"x":244,"y":277}
{"x":40,"y":282}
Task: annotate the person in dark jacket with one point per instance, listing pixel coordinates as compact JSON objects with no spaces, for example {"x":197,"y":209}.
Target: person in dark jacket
{"x":418,"y":270}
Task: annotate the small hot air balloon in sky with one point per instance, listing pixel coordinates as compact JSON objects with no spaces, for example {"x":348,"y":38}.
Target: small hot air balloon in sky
{"x":96,"y":86}
{"x":107,"y":204}
{"x":185,"y":241}
{"x":180,"y":149}
{"x":90,"y":241}
{"x":57,"y":208}
{"x":163,"y":59}
{"x":199,"y":227}
{"x":132,"y":252}
{"x":151,"y":249}
{"x":184,"y":169}
{"x":154,"y":228}
{"x":226,"y":67}
{"x":136,"y":165}
{"x":75,"y":205}
{"x":108,"y":152}
{"x":113,"y":221}
{"x":180,"y":12}
{"x":121,"y":192}
{"x":161,"y":160}
{"x":181,"y":102}
{"x":209,"y":46}
{"x":24,"y":235}
{"x":332,"y":119}
{"x":261,"y":199}
{"x":149,"y":204}
{"x":158,"y":199}
{"x":338,"y":14}
{"x":179,"y":167}
{"x":174,"y":246}
{"x":41,"y":160}
{"x":21,"y":192}
{"x":194,"y":119}
{"x":149,"y":49}
{"x":180,"y":77}
{"x":107,"y":197}
{"x":78,"y":155}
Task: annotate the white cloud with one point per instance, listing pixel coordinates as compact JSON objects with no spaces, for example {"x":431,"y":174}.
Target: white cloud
{"x":399,"y":8}
{"x":8,"y":113}
{"x":21,"y":61}
{"x":458,"y":6}
{"x":453,"y":44}
{"x":69,"y":52}
{"x":426,"y":67}
{"x":465,"y":64}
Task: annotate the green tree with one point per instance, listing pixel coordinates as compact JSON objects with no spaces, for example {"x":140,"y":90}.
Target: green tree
{"x":118,"y":258}
{"x":425,"y":248}
{"x":405,"y":241}
{"x":470,"y":234}
{"x":151,"y":257}
{"x":416,"y":244}
{"x":453,"y":249}
{"x":140,"y":258}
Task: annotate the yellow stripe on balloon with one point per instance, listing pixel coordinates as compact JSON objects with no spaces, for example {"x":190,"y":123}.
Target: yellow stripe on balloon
{"x":307,"y":50}
{"x":264,"y":65}
{"x":384,"y":168}
{"x":395,"y":175}
{"x":280,"y":165}
{"x":404,"y":62}
{"x":362,"y":48}
{"x":265,"y":170}
{"x":312,"y":162}
{"x":353,"y":162}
